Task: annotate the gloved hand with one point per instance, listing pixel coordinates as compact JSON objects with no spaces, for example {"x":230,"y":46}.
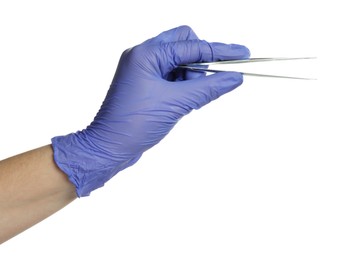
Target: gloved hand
{"x":146,"y":99}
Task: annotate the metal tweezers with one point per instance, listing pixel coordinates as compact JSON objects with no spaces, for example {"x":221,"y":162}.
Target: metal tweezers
{"x":196,"y":66}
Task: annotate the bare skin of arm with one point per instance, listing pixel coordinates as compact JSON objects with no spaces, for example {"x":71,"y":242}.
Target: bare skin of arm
{"x":32,"y":188}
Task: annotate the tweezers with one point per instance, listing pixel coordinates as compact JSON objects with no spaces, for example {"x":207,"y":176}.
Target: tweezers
{"x":196,"y":66}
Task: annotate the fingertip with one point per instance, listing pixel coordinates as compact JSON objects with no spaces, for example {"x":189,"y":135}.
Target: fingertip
{"x":221,"y":51}
{"x":237,"y":76}
{"x":231,"y":76}
{"x":228,"y":81}
{"x":240,"y":51}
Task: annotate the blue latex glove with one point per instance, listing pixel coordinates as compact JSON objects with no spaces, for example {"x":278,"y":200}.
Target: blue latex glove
{"x":146,"y":99}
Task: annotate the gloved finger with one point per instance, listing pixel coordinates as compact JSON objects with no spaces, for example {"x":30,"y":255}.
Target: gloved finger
{"x":193,"y":94}
{"x":181,"y":33}
{"x":194,"y":74}
{"x":184,"y":52}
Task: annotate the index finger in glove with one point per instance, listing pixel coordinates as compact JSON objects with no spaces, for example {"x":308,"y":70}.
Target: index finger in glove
{"x":190,"y":51}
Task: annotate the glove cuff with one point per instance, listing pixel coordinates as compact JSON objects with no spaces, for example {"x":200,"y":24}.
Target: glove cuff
{"x":87,"y":169}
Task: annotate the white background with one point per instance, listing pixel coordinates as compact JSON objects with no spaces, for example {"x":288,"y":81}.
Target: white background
{"x":257,"y":174}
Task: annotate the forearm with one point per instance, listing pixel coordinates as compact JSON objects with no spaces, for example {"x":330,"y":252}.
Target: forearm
{"x":32,"y":188}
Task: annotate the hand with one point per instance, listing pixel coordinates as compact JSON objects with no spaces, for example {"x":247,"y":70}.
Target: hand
{"x":146,"y":99}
